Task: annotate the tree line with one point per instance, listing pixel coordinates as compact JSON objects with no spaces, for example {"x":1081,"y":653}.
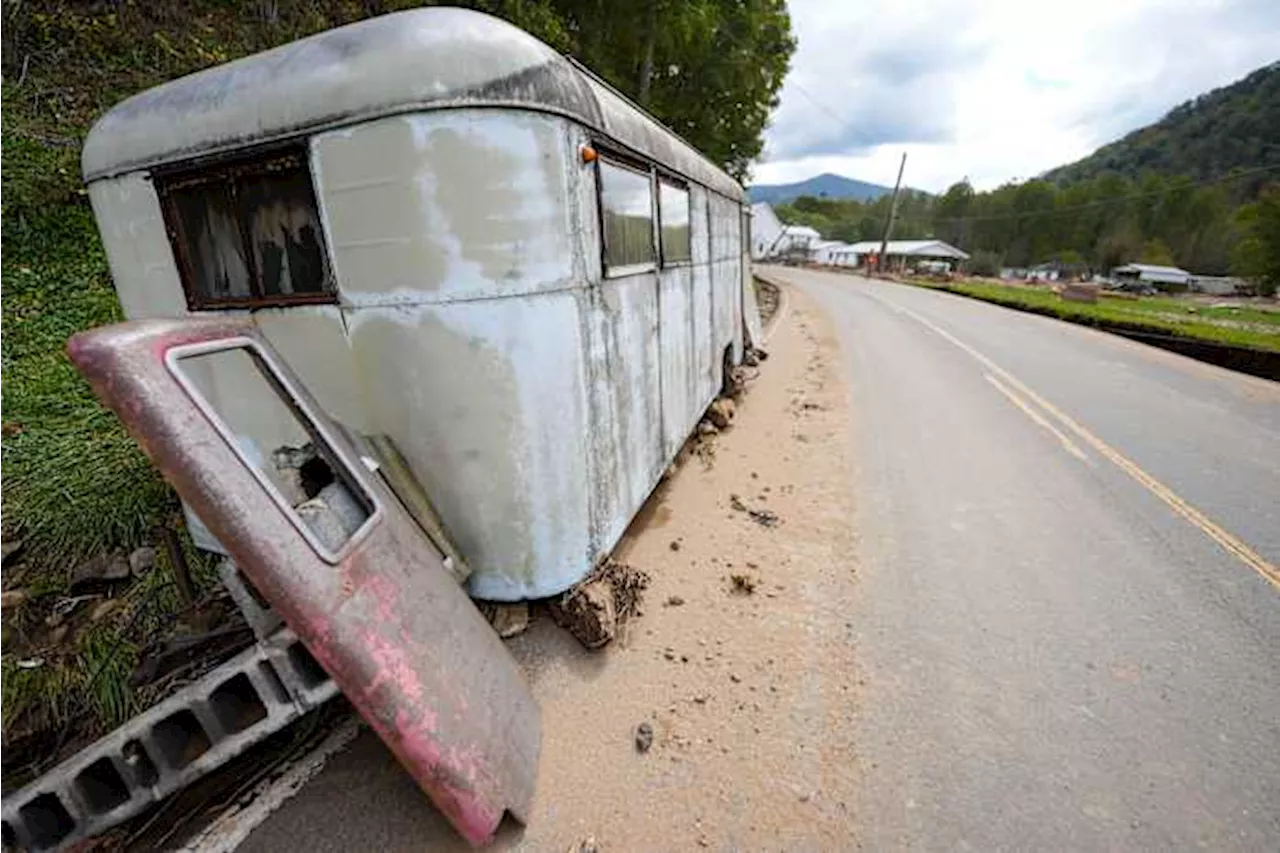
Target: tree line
{"x":1215,"y":227}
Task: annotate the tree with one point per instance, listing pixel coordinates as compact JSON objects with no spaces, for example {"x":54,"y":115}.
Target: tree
{"x":709,"y":69}
{"x":1154,"y":251}
{"x":1257,"y":254}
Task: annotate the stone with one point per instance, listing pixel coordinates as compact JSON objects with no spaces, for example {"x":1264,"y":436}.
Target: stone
{"x":142,"y":560}
{"x":104,"y":567}
{"x":510,"y":620}
{"x":12,"y":598}
{"x":674,"y":546}
{"x":721,"y":413}
{"x":707,"y":428}
{"x":674,"y":601}
{"x":644,"y":737}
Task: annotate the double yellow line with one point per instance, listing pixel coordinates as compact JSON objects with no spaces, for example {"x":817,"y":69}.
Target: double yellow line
{"x":1007,"y":384}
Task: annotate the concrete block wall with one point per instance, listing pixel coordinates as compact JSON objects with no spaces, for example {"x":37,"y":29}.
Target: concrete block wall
{"x":162,"y":750}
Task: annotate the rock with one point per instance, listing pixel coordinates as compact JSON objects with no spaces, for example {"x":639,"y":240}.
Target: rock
{"x":736,"y":503}
{"x":742,"y":584}
{"x":674,"y":546}
{"x":644,"y":737}
{"x":12,"y":598}
{"x":8,"y":549}
{"x":104,"y":567}
{"x":750,"y":359}
{"x":142,"y":560}
{"x":588,"y":613}
{"x":721,"y":413}
{"x":510,"y":620}
{"x":586,"y":845}
{"x":674,"y":601}
{"x":707,"y":428}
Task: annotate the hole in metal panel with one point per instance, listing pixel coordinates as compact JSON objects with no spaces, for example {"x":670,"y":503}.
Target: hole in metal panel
{"x":236,"y":705}
{"x":140,"y":763}
{"x":102,"y":787}
{"x":308,"y":668}
{"x":180,"y":739}
{"x":278,"y":691}
{"x":47,"y":820}
{"x":279,"y":443}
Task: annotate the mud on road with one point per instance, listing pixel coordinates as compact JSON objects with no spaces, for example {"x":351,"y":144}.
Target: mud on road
{"x":722,"y":715}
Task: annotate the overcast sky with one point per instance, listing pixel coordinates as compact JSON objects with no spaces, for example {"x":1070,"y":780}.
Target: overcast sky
{"x":995,"y":90}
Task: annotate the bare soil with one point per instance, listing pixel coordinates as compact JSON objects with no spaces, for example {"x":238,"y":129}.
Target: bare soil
{"x":721,"y":716}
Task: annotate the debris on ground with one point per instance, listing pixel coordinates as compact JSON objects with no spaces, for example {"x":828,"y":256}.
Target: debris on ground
{"x":674,"y":546}
{"x":721,"y":413}
{"x":594,"y":610}
{"x":586,"y":845}
{"x":674,"y":601}
{"x":741,"y":583}
{"x":644,"y":737}
{"x":763,"y":517}
{"x":508,"y":619}
{"x":12,"y":598}
{"x":706,"y":427}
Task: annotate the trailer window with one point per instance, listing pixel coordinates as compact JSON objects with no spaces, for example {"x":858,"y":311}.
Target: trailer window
{"x":626,"y":208}
{"x":247,"y":233}
{"x":673,"y":216}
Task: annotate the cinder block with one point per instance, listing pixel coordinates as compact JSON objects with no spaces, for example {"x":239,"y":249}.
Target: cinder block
{"x":257,"y":613}
{"x":170,"y":745}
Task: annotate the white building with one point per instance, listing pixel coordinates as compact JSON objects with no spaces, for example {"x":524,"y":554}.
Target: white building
{"x":826,"y":251}
{"x":771,"y":239}
{"x":899,"y":253}
{"x":1152,"y":274}
{"x":766,"y":228}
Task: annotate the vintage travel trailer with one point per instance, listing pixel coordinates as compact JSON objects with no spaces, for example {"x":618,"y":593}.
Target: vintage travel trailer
{"x":466,"y":246}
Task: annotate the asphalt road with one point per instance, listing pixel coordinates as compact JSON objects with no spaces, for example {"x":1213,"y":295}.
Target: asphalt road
{"x":1070,"y":638}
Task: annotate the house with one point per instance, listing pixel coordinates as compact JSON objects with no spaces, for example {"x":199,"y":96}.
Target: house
{"x":1161,"y":277}
{"x":766,"y":228}
{"x":900,"y":253}
{"x":825,"y":251}
{"x":771,"y":240}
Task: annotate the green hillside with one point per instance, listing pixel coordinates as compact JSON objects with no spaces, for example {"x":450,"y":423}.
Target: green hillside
{"x":1235,"y":127}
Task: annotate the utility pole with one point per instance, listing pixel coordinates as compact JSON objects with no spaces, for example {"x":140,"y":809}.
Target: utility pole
{"x":893,"y":213}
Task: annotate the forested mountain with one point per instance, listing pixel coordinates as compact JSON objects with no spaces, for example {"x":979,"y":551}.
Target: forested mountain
{"x":825,"y":185}
{"x":1235,"y":127}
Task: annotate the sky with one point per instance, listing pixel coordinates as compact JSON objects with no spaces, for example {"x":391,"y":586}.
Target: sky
{"x":995,"y":90}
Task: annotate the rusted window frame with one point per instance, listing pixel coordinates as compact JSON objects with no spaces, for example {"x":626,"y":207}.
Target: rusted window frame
{"x":227,"y":172}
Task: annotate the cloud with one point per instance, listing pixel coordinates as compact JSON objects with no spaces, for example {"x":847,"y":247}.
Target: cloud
{"x":996,"y":90}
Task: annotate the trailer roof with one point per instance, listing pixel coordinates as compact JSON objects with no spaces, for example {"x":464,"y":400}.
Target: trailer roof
{"x":404,"y":62}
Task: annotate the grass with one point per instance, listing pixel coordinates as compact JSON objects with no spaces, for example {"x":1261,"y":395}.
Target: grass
{"x":1246,"y":327}
{"x":75,"y":484}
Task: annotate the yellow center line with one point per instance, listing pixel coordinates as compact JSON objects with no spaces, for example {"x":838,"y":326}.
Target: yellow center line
{"x":1229,"y":543}
{"x":1036,"y":417}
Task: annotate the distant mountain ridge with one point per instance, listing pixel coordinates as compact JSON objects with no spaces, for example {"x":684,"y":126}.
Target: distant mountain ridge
{"x":828,"y":185}
{"x":1234,"y":127}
